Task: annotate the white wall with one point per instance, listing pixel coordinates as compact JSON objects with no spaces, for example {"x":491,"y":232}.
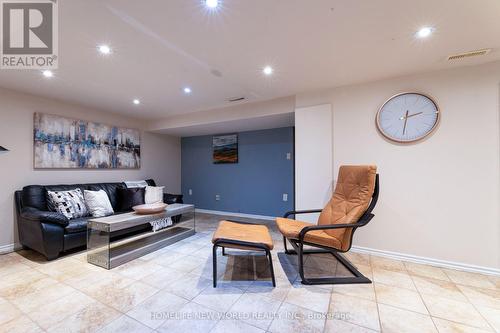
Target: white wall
{"x":313,"y":158}
{"x":439,"y":198}
{"x":160,"y":154}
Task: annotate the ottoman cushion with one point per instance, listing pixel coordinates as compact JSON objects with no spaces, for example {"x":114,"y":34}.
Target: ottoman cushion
{"x":250,"y":233}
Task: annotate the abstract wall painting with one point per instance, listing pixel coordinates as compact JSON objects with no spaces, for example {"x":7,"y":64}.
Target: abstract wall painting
{"x":65,"y":143}
{"x":225,"y":148}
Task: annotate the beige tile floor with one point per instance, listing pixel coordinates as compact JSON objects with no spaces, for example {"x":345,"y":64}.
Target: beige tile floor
{"x":171,"y":291}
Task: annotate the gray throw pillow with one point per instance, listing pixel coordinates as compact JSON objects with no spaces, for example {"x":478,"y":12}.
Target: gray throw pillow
{"x":69,"y":203}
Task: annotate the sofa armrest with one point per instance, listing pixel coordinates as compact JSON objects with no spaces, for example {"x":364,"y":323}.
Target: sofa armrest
{"x":172,"y":198}
{"x":36,"y":215}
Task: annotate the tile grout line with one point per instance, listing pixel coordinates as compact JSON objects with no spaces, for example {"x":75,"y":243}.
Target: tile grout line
{"x":330,"y":303}
{"x":475,"y":308}
{"x":22,"y":314}
{"x":376,"y":297}
{"x":422,"y":299}
{"x":438,"y":317}
{"x":281,"y":303}
{"x":245,"y":291}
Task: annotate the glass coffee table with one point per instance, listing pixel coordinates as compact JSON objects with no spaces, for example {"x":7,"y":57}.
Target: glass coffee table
{"x":117,"y":239}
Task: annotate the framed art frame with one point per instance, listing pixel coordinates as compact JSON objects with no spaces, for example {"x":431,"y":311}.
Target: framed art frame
{"x":66,"y":143}
{"x":225,"y":148}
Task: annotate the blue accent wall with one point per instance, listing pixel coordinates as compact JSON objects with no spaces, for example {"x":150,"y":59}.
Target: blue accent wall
{"x":254,"y":185}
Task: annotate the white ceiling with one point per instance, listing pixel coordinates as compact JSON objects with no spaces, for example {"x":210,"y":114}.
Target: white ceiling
{"x":239,"y":125}
{"x":161,"y":46}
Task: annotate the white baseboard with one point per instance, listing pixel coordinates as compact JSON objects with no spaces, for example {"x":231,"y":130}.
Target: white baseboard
{"x":428,"y":261}
{"x":250,"y":216}
{"x":4,"y":249}
{"x":383,"y":253}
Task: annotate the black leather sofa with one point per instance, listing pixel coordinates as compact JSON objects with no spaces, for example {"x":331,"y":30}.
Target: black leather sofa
{"x":51,"y":233}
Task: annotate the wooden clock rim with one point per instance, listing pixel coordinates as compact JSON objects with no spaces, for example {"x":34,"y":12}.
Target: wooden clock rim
{"x":438,"y":119}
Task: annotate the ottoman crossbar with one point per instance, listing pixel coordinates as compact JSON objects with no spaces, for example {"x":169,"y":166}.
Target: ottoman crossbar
{"x":242,"y":236}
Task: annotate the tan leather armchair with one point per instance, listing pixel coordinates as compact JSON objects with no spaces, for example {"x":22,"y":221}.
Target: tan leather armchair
{"x":350,"y":207}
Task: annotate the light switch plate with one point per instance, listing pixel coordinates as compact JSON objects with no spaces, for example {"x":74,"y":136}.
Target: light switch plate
{"x":285,"y":197}
{"x":190,"y":192}
{"x":288,"y":156}
{"x":217,"y":197}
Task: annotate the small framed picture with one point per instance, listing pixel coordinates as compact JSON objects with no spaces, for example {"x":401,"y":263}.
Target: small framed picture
{"x":225,"y":148}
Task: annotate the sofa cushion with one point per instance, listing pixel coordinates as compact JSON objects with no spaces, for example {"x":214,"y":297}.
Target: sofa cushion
{"x":154,"y":194}
{"x":69,"y":203}
{"x":130,"y":197}
{"x":98,"y":203}
{"x":59,"y":188}
{"x":111,"y":190}
{"x":76,"y":225}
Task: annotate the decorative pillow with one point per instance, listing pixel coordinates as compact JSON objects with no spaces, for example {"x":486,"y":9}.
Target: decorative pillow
{"x":154,"y":194}
{"x":69,"y":203}
{"x":130,"y":197}
{"x":98,"y":203}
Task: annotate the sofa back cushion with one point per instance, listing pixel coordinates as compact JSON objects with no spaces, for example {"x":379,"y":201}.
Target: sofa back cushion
{"x":36,"y":195}
{"x":130,"y":197}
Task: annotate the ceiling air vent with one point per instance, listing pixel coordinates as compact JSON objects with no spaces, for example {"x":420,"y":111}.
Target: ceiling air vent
{"x":476,"y":53}
{"x":236,"y":99}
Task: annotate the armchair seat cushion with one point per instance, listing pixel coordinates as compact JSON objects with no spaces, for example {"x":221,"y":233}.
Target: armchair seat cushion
{"x":292,"y":228}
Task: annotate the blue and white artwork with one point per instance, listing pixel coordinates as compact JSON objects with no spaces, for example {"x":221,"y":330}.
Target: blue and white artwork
{"x":61,"y":142}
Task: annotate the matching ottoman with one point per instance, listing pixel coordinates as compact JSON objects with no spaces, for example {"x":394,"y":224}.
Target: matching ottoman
{"x":242,"y":236}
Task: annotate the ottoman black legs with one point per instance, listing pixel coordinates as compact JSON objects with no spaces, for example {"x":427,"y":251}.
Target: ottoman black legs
{"x":246,"y":245}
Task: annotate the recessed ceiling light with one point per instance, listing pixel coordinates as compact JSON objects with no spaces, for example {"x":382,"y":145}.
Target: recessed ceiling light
{"x":104,"y":49}
{"x":187,"y":90}
{"x":136,"y":101}
{"x":425,"y":32}
{"x":48,"y":73}
{"x":212,"y":3}
{"x":268,"y":70}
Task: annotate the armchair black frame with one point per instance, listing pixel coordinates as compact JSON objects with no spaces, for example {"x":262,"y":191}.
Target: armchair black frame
{"x":298,"y":245}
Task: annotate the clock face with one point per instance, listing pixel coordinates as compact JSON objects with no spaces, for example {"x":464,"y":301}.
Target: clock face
{"x":408,"y":117}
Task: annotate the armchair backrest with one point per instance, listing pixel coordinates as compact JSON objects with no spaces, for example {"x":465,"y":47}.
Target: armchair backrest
{"x":351,"y":199}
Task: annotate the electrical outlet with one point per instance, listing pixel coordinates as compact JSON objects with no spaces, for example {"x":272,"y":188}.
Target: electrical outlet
{"x":217,"y":197}
{"x":190,"y":192}
{"x":288,"y":156}
{"x":285,"y":197}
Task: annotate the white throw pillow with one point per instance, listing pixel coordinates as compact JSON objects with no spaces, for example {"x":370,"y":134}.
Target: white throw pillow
{"x":98,"y":203}
{"x":154,"y":194}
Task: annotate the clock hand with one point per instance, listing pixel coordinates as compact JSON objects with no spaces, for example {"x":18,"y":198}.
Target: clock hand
{"x":413,"y":115}
{"x":409,"y":116}
{"x":406,"y":120}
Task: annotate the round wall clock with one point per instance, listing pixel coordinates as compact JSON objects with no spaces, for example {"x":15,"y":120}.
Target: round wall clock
{"x":408,"y":117}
